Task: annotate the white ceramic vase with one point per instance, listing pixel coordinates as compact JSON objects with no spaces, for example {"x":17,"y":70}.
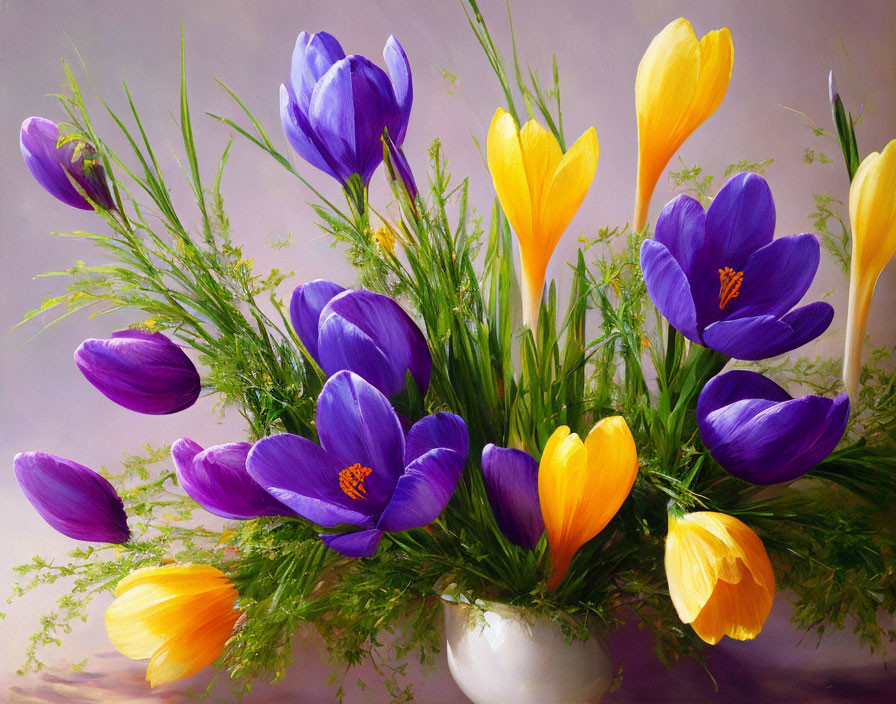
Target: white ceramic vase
{"x":501,"y":655}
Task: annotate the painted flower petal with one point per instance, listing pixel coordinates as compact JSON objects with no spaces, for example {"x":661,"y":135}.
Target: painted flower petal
{"x":301,"y":136}
{"x":423,"y":490}
{"x":144,"y":372}
{"x":765,"y":336}
{"x":305,"y":306}
{"x":375,"y":110}
{"x":511,"y":483}
{"x":356,"y":325}
{"x":75,"y":500}
{"x":331,"y":116}
{"x":402,"y":85}
{"x":680,"y":228}
{"x":776,"y":277}
{"x":305,"y":477}
{"x":740,"y":219}
{"x":669,"y":289}
{"x":357,"y":425}
{"x":218,"y":481}
{"x":568,"y":189}
{"x":769,"y":438}
{"x":311,"y":59}
{"x":438,"y":430}
{"x":362,"y":543}
{"x":505,"y":163}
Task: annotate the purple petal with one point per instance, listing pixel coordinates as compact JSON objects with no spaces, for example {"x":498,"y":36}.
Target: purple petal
{"x":357,"y":324}
{"x":357,"y":425}
{"x":51,"y":167}
{"x":144,"y":372}
{"x":73,"y":499}
{"x":301,"y":136}
{"x":680,"y":228}
{"x":308,"y":300}
{"x":669,"y":289}
{"x":306,"y":478}
{"x":362,"y":543}
{"x":511,"y":483}
{"x":438,"y":430}
{"x":740,"y":220}
{"x":779,"y":440}
{"x":402,"y":170}
{"x":218,"y":481}
{"x":776,"y":277}
{"x":765,"y":336}
{"x":331,"y":116}
{"x":423,"y":490}
{"x":311,"y":59}
{"x":402,"y":85}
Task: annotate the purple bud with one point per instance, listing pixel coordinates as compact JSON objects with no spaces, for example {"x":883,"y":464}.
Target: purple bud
{"x":833,"y":93}
{"x":511,"y":483}
{"x":142,"y":371}
{"x":52,"y":166}
{"x":399,"y":169}
{"x":217,"y":480}
{"x":73,"y":499}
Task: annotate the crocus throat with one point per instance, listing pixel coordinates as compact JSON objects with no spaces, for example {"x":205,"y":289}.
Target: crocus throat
{"x":729,"y":288}
{"x":351,"y":480}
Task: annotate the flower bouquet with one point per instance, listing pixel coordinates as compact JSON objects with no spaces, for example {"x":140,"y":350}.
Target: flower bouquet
{"x":446,"y":438}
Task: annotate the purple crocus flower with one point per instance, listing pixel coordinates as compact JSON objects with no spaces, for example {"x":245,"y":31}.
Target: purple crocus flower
{"x":364,"y":472}
{"x":52,"y":166}
{"x":722,"y":282}
{"x":758,"y":432}
{"x":399,"y":169}
{"x":217,"y":480}
{"x":363,"y":332}
{"x":73,"y":499}
{"x":511,"y":484}
{"x":142,"y":371}
{"x":335,"y":107}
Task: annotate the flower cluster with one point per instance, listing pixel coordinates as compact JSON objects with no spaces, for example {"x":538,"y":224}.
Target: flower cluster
{"x":391,"y":460}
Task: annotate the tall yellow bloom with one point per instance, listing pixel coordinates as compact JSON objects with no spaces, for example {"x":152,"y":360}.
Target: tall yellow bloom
{"x":720,"y":578}
{"x":540,"y":189}
{"x":872,"y":211}
{"x":581,"y":486}
{"x":680,"y":83}
{"x":178,"y":616}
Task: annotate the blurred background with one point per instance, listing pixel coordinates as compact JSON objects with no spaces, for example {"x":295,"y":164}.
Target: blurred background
{"x":783,"y":52}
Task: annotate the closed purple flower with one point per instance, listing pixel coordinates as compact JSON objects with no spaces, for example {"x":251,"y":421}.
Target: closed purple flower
{"x":758,"y":432}
{"x":334,"y":107}
{"x":142,"y":371}
{"x":52,"y":166}
{"x":361,"y":331}
{"x":217,"y":480}
{"x":399,"y":169}
{"x":365,"y":472}
{"x":511,"y":483}
{"x":723,"y":282}
{"x":73,"y":499}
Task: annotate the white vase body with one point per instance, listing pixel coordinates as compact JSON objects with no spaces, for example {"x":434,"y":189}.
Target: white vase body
{"x":501,"y":655}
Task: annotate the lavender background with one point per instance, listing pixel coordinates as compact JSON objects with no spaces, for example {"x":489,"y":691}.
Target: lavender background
{"x":782,"y":54}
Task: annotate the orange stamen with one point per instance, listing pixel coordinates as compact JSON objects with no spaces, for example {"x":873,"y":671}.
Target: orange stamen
{"x":351,"y":480}
{"x":730,"y":281}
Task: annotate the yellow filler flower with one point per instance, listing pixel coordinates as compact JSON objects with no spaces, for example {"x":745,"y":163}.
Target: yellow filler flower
{"x":540,"y":189}
{"x":178,"y":616}
{"x":680,"y":83}
{"x":581,"y":486}
{"x":872,"y":211}
{"x":720,"y":578}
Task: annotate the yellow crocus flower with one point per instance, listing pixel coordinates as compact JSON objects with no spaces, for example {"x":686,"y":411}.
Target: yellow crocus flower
{"x":178,"y":616}
{"x":540,"y":189}
{"x":680,"y":83}
{"x":872,"y":212}
{"x":720,"y":578}
{"x":581,"y":486}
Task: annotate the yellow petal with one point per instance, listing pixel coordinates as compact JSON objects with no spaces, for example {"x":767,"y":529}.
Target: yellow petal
{"x":719,"y":575}
{"x":872,"y":212}
{"x":541,"y":156}
{"x":568,"y":188}
{"x":680,"y":82}
{"x":505,"y":162}
{"x":582,"y":485}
